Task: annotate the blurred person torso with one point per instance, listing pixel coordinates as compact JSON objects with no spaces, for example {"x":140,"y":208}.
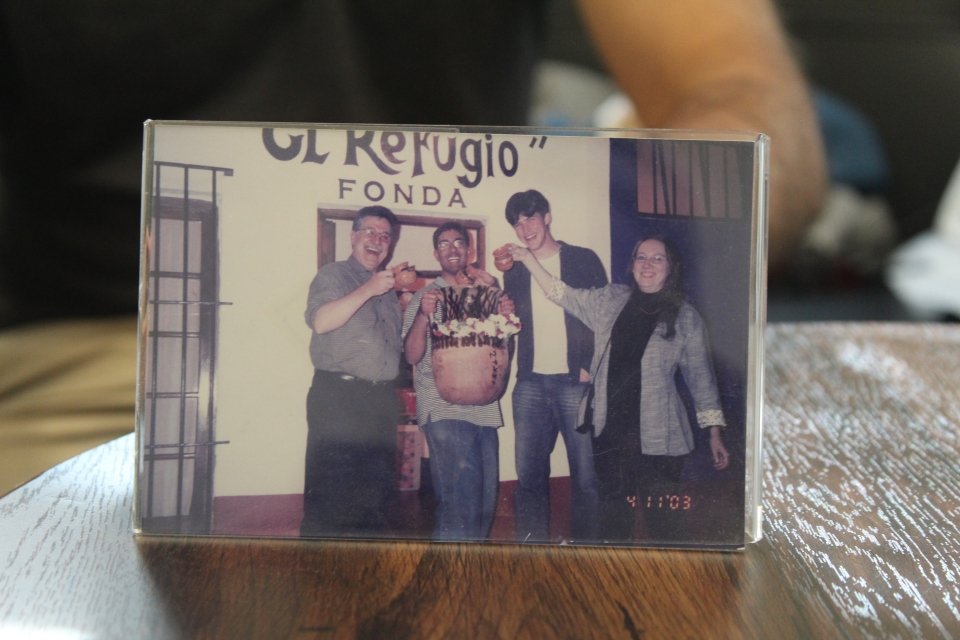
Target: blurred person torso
{"x":77,"y":80}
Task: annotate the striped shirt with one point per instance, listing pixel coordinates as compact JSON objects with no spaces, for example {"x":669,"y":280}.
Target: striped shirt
{"x":368,"y":345}
{"x":430,"y":406}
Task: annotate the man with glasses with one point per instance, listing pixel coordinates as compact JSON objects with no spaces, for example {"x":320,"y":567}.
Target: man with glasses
{"x":463,"y":441}
{"x":352,"y":410}
{"x":554,"y":351}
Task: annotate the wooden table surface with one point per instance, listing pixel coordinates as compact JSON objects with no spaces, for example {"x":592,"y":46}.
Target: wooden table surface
{"x":861,"y":500}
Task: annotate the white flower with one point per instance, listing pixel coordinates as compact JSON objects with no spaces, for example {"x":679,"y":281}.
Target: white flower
{"x":494,"y":326}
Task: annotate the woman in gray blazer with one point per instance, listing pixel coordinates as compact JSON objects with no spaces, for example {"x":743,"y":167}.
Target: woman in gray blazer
{"x":644,"y":333}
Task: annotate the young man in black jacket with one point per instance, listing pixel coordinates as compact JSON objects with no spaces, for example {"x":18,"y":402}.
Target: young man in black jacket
{"x":553,"y":360}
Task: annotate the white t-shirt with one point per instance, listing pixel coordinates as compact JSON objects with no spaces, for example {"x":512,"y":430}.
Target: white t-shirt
{"x":549,"y":330}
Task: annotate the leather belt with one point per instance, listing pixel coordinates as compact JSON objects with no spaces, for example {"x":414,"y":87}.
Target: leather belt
{"x":346,"y":377}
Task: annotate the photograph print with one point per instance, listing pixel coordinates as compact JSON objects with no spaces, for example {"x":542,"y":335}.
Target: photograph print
{"x":504,"y":336}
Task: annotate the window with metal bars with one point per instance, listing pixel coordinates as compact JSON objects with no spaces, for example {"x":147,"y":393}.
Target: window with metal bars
{"x":178,"y":409}
{"x":693,"y":178}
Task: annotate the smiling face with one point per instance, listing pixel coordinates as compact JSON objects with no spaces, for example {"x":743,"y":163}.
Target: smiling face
{"x":371,"y":243}
{"x":651,"y":266}
{"x":452,"y":252}
{"x":534,"y":231}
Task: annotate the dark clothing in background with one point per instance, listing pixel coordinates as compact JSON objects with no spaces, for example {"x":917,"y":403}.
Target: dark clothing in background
{"x":79,"y":79}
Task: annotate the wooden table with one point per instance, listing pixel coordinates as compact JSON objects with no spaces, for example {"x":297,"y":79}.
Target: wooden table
{"x":862,"y":503}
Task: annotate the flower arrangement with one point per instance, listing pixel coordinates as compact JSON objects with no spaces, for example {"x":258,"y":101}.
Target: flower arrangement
{"x":472,"y":318}
{"x":492,"y":330}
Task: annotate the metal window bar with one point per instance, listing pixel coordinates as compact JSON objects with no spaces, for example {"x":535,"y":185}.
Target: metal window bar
{"x":703,"y":153}
{"x":690,"y":191}
{"x":184,"y":341}
{"x":726,"y":176}
{"x":653,"y":173}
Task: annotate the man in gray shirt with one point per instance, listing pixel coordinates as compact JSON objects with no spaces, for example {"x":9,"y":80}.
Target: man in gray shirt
{"x":352,"y":410}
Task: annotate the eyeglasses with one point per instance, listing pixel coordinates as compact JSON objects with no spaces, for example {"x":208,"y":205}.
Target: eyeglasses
{"x":372,"y":234}
{"x":444,"y":245}
{"x":657,"y":260}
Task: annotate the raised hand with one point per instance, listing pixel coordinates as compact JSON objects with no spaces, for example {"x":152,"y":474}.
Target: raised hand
{"x":481,"y":276}
{"x":518,"y":253}
{"x":502,"y":259}
{"x":380,"y":282}
{"x":506,"y":306}
{"x":428,"y":302}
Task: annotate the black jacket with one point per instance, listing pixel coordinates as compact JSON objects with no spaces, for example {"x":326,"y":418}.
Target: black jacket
{"x":580,"y":268}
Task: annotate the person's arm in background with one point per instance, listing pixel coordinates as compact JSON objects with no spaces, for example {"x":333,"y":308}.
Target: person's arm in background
{"x":720,"y":64}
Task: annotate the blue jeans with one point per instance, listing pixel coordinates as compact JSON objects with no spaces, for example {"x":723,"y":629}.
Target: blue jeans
{"x":543,"y":406}
{"x":465,"y":470}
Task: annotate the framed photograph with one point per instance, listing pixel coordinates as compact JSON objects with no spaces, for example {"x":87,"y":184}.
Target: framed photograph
{"x":437,"y":333}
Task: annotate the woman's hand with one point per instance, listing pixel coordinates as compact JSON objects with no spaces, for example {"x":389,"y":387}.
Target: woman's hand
{"x":502,"y":259}
{"x":518,"y":253}
{"x":721,"y":459}
{"x":524,"y":255}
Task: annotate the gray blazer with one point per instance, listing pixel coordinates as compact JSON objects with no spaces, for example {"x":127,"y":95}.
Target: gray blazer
{"x":664,"y":425}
